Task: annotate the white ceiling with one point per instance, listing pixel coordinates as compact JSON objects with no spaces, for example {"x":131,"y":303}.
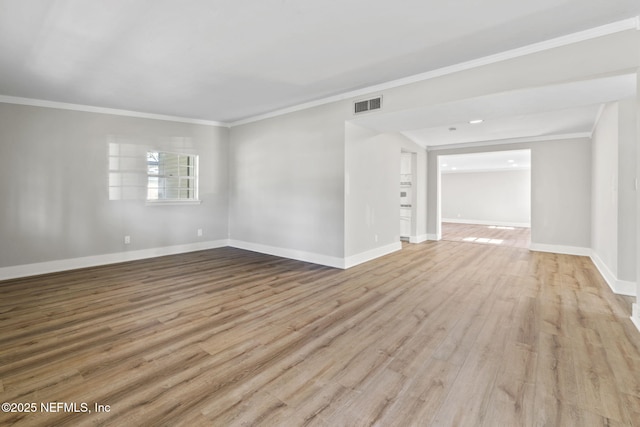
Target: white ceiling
{"x":563,"y":109}
{"x":488,"y":161}
{"x":227,"y":60}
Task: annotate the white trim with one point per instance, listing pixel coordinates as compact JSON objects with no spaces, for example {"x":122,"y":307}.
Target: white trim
{"x":419,"y":239}
{"x":604,"y":30}
{"x":560,"y":249}
{"x":595,"y":122}
{"x":481,"y":222}
{"x":635,"y":322}
{"x":506,"y":141}
{"x":434,"y":237}
{"x":625,"y":287}
{"x":103,"y":110}
{"x":353,"y":260}
{"x":604,"y":270}
{"x":620,"y":287}
{"x":305,"y":256}
{"x":26,"y":270}
{"x":635,"y":316}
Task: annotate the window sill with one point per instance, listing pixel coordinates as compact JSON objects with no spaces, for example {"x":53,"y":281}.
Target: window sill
{"x":172,"y":202}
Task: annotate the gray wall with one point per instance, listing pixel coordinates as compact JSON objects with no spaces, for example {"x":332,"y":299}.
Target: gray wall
{"x":627,"y":212}
{"x":287,"y":182}
{"x":561,"y":193}
{"x":372,"y":186}
{"x":54,"y":182}
{"x":496,"y":197}
{"x":604,"y":228}
{"x":372,"y":207}
{"x":614,"y":195}
{"x":560,"y":190}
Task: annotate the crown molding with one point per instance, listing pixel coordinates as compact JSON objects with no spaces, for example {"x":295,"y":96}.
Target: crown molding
{"x":592,"y":33}
{"x":102,"y":110}
{"x":603,"y":30}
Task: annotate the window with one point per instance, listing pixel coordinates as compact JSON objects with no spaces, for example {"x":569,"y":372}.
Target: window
{"x":172,"y":177}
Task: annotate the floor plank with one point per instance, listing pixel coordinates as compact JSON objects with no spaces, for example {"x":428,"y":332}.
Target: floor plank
{"x":517,"y":237}
{"x":438,"y":334}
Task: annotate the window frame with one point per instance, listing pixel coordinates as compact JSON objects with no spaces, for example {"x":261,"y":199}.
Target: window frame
{"x":163,"y":178}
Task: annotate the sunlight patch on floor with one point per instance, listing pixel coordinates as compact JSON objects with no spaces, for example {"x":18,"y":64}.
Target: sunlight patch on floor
{"x":483,"y":240}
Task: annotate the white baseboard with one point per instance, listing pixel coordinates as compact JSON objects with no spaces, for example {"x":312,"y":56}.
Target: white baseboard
{"x":484,"y":222}
{"x":435,"y":237}
{"x":560,"y":249}
{"x":25,"y":270}
{"x":314,"y":258}
{"x":419,"y":239}
{"x":369,"y":255}
{"x":635,"y":316}
{"x":624,"y":287}
{"x":605,"y":272}
{"x":35,"y":269}
{"x":620,"y":287}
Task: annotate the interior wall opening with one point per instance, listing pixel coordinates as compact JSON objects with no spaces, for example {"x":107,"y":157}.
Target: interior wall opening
{"x":485,"y":197}
{"x":408,"y":176}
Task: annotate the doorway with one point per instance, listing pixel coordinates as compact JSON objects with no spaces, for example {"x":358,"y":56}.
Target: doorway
{"x":485,"y":198}
{"x":407,"y":195}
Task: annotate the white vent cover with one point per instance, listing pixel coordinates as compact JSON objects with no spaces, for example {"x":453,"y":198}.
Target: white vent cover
{"x":367,"y":105}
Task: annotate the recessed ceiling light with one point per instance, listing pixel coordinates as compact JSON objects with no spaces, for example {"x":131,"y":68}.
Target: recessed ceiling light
{"x":454,"y":168}
{"x":476,"y":121}
{"x":444,"y":165}
{"x":510,"y":161}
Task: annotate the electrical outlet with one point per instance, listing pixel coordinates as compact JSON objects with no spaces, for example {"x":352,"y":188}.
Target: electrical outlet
{"x":127,"y":240}
{"x":199,"y":232}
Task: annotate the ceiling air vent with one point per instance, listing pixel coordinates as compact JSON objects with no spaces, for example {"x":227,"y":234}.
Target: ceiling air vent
{"x":367,"y":105}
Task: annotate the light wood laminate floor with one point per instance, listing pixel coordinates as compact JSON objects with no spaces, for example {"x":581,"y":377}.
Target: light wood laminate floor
{"x":438,"y":334}
{"x":518,"y":237}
